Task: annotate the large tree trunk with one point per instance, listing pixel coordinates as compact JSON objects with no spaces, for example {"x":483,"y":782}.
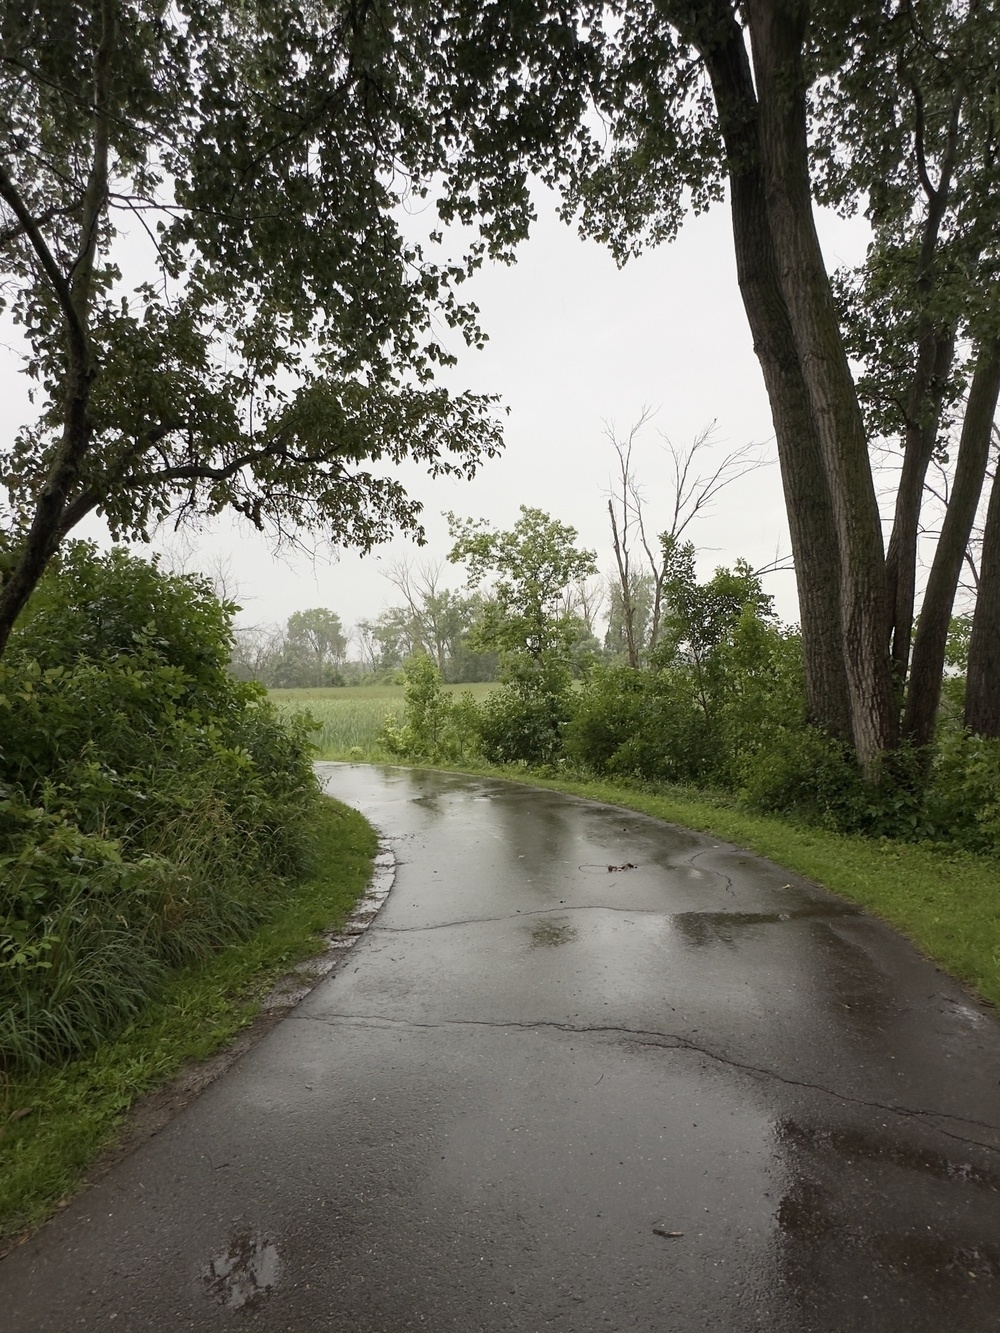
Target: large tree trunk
{"x":934,"y":358}
{"x":924,"y":686}
{"x":46,"y":531}
{"x":982,"y":695}
{"x":931,"y":371}
{"x":807,"y":495}
{"x":777,"y":31}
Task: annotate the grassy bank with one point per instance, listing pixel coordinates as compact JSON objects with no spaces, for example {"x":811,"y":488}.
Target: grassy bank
{"x":349,"y":718}
{"x":53,"y":1125}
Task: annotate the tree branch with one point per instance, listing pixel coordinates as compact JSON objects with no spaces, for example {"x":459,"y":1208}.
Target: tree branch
{"x":46,"y":260}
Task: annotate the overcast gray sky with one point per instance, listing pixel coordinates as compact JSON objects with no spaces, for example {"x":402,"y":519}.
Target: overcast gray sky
{"x":574,"y":343}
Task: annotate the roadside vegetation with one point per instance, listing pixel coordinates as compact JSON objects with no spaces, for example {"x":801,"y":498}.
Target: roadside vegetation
{"x":164,"y":848}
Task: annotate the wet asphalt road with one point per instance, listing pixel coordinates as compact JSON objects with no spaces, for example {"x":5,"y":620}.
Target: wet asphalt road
{"x":530,"y":1069}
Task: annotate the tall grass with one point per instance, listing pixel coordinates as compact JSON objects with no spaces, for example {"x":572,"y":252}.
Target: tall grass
{"x":53,"y":1121}
{"x":348,"y":719}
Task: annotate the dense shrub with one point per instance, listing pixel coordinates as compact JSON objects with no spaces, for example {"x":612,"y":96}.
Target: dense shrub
{"x":641,"y":724}
{"x":523,"y":721}
{"x":151,"y":807}
{"x":801,"y":771}
{"x":962,"y":800}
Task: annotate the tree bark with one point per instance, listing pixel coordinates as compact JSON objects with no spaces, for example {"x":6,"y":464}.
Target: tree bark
{"x":934,"y":359}
{"x":777,"y":32}
{"x":935,"y":354}
{"x":807,"y":495}
{"x":982,"y":693}
{"x":924,"y":686}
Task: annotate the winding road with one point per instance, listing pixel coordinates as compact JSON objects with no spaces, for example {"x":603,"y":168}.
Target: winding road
{"x":586,"y":1071}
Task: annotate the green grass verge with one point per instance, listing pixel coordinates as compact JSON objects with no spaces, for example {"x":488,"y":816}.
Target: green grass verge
{"x":54,"y":1125}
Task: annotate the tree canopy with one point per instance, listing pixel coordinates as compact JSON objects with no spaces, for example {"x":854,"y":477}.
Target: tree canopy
{"x":201,"y":245}
{"x":283,"y":353}
{"x":527,"y":570}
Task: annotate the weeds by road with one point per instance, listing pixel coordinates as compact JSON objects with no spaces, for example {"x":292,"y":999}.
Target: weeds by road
{"x":54,"y":1124}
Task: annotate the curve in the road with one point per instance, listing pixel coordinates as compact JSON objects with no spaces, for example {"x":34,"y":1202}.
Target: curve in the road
{"x":585,"y":1071}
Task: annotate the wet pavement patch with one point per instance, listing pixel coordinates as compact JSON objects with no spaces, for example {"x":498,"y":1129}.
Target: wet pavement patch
{"x":855,"y":1146}
{"x":244,"y":1272}
{"x":547,"y":934}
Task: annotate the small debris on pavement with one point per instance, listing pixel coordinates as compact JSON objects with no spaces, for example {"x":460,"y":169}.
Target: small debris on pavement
{"x":627,"y":865}
{"x":662,"y":1229}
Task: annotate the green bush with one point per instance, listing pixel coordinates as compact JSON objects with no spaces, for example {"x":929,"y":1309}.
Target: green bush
{"x":524,"y":719}
{"x":641,"y":724}
{"x":807,"y":773}
{"x":962,"y":801}
{"x":151,"y":807}
{"x":434,"y":725}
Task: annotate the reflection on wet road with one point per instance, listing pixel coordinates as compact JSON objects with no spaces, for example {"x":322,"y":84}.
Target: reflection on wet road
{"x":585,"y":1072}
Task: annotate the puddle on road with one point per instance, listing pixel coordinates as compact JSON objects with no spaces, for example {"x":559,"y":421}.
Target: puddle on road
{"x":705,"y":928}
{"x":549,"y":933}
{"x":854,"y":1146}
{"x":245,"y":1272}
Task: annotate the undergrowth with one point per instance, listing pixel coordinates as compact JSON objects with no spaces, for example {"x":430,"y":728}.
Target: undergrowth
{"x":54,"y":1122}
{"x":152,"y":809}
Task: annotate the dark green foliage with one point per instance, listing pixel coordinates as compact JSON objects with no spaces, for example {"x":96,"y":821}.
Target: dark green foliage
{"x":541,"y":647}
{"x":527,"y":569}
{"x":803,"y":772}
{"x":151,"y":807}
{"x":723,"y":677}
{"x":962,"y":802}
{"x":641,"y":724}
{"x":523,"y":721}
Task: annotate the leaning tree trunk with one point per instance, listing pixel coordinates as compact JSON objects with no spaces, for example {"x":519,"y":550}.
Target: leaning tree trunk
{"x":982,"y":693}
{"x":924,"y":687}
{"x":807,"y":495}
{"x":72,"y":292}
{"x":934,"y":358}
{"x":935,"y":354}
{"x":777,"y":30}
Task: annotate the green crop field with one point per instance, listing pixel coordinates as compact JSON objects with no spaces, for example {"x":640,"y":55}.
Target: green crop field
{"x":350,"y":717}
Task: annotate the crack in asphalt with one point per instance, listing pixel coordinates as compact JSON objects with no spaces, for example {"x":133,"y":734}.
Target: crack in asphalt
{"x":831,"y":911}
{"x":524,"y":916}
{"x":708,"y":871}
{"x":674,"y":1042}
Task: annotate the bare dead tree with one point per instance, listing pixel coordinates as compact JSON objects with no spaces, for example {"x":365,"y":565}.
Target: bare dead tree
{"x":180,"y":553}
{"x":368,"y":648}
{"x":692,"y":490}
{"x":432,"y":608}
{"x":585,"y":598}
{"x":625,"y":513}
{"x":255,"y":647}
